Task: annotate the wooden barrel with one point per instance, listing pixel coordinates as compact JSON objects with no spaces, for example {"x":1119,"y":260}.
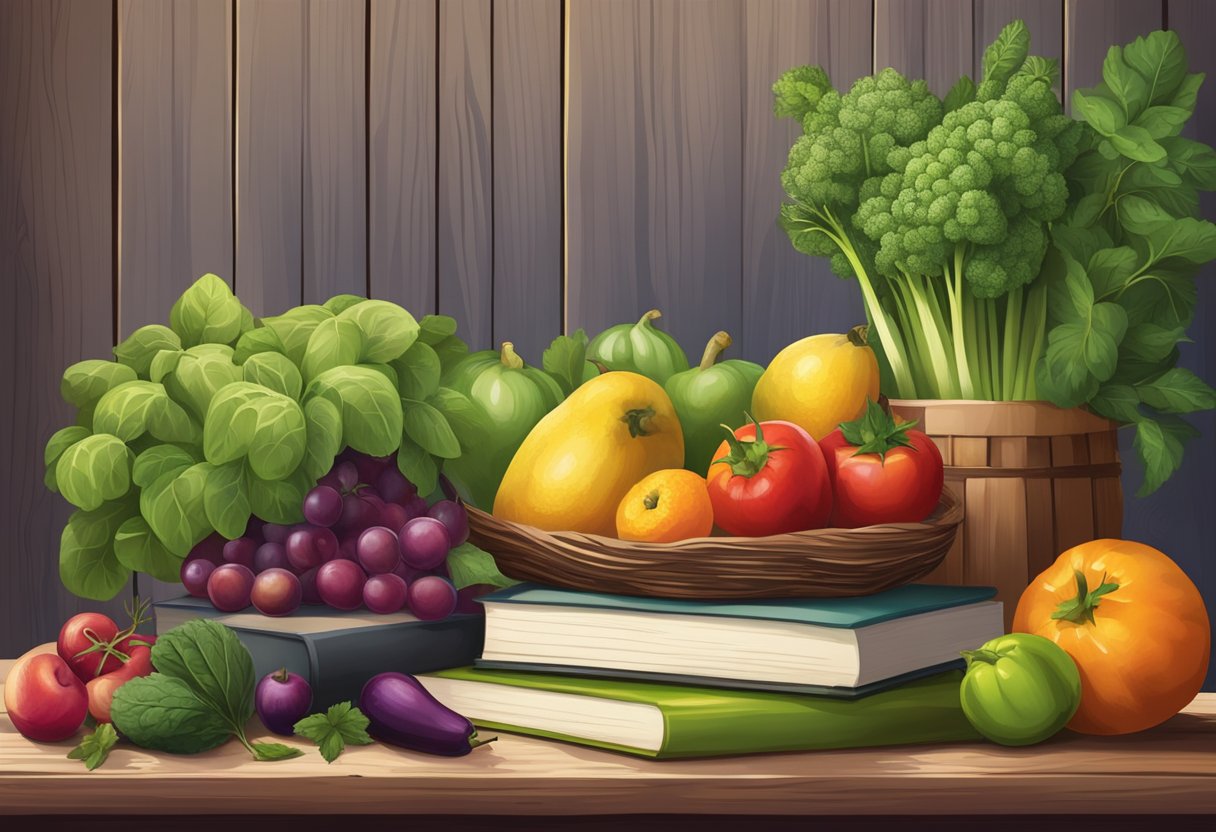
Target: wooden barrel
{"x":1034,"y":480}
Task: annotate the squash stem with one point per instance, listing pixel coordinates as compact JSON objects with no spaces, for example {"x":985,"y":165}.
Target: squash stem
{"x":509,"y":357}
{"x":719,"y":342}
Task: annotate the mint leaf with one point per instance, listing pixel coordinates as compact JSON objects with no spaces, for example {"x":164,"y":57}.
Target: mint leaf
{"x":1118,"y":402}
{"x":1159,"y":60}
{"x":1140,"y":216}
{"x":95,"y":747}
{"x":1131,"y":90}
{"x":1137,"y":143}
{"x":469,"y":566}
{"x":1102,"y":114}
{"x":265,"y":752}
{"x":1160,"y":443}
{"x":332,"y":730}
{"x":1178,"y":391}
{"x":564,"y":359}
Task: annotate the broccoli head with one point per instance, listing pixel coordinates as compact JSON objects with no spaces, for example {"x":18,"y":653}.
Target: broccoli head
{"x":798,"y":91}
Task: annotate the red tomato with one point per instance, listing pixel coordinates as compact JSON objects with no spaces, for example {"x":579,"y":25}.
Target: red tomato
{"x":896,"y":479}
{"x":74,"y":638}
{"x":773,"y":480}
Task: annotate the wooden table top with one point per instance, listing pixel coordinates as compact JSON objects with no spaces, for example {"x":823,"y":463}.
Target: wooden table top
{"x":1170,"y":769}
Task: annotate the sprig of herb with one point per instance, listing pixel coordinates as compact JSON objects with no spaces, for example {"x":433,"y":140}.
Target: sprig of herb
{"x":95,"y":747}
{"x":342,"y":723}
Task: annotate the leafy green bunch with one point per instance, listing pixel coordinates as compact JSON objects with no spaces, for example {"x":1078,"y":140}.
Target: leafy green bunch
{"x":199,"y":425}
{"x":1123,"y":283}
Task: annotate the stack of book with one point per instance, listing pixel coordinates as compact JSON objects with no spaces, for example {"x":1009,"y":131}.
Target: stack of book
{"x":665,"y":678}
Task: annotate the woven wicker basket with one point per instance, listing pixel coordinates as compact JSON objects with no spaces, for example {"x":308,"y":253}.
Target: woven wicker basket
{"x":822,"y":563}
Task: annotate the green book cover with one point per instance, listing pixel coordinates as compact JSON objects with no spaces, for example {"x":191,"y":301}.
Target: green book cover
{"x":709,"y":722}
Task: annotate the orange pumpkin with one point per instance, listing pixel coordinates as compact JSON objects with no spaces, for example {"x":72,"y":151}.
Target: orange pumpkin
{"x":1135,"y":625}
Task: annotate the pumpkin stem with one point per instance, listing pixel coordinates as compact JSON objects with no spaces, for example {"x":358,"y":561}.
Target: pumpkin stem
{"x":1080,"y":609}
{"x":509,"y":358}
{"x":719,"y":342}
{"x":651,"y":316}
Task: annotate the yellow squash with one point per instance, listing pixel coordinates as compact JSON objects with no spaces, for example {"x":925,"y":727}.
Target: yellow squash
{"x":576,"y":465}
{"x":818,"y":382}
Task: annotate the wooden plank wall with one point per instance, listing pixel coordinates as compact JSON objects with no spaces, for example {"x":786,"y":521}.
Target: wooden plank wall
{"x":530,"y":167}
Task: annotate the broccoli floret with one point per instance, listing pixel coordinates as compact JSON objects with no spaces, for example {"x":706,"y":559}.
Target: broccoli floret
{"x":993,"y":270}
{"x":798,"y":91}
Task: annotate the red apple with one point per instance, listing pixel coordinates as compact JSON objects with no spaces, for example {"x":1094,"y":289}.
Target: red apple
{"x":44,"y":698}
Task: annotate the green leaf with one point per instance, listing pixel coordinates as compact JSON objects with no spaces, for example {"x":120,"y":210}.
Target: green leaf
{"x":226,"y":499}
{"x":1140,"y":216}
{"x":332,"y":730}
{"x":85,"y":382}
{"x":1158,"y":178}
{"x":1131,"y":90}
{"x":336,"y":342}
{"x":248,"y":420}
{"x":1109,"y":270}
{"x":159,"y":460}
{"x":274,"y":371}
{"x":1007,"y":53}
{"x":1177,"y":390}
{"x":1081,"y":355}
{"x":450,"y":350}
{"x":323,"y":424}
{"x":1089,"y":209}
{"x":1187,"y":93}
{"x":133,"y":408}
{"x":388,"y":330}
{"x":1150,"y":342}
{"x":211,"y":661}
{"x":434,"y":328}
{"x":1165,"y":297}
{"x":88,"y":566}
{"x":267,"y":752}
{"x":1137,"y":143}
{"x":94,"y":470}
{"x":369,"y":404}
{"x":280,"y":501}
{"x":1118,"y":402}
{"x":1162,"y":121}
{"x":340,"y":303}
{"x":173,"y":507}
{"x":565,"y":358}
{"x":1100,"y":112}
{"x":60,"y":441}
{"x":469,"y":566}
{"x":428,"y":427}
{"x":138,"y":350}
{"x":1160,"y":444}
{"x":163,"y":713}
{"x":1160,"y":61}
{"x":1190,"y":239}
{"x":163,"y":364}
{"x":207,"y":313}
{"x":294,"y":328}
{"x":418,"y":372}
{"x":201,"y":376}
{"x":466,"y":417}
{"x":418,"y":466}
{"x":1044,"y":69}
{"x":139,"y":549}
{"x":963,"y":92}
{"x":94,"y":747}
{"x":257,"y":341}
{"x":1193,"y":160}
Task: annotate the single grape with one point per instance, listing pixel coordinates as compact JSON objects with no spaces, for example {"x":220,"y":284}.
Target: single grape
{"x":357,"y":514}
{"x":308,"y":588}
{"x":194,"y":575}
{"x":240,"y":551}
{"x":393,"y":516}
{"x":228,"y":587}
{"x":453,"y":517}
{"x":348,"y":476}
{"x":371,"y":467}
{"x":276,"y":592}
{"x":466,"y":599}
{"x":311,"y":546}
{"x":323,"y":506}
{"x":394,"y":487}
{"x":379,"y":550}
{"x":270,"y":556}
{"x":340,"y":584}
{"x":371,"y":498}
{"x":274,"y":533}
{"x":385,"y":593}
{"x":209,"y":548}
{"x":432,"y":598}
{"x":424,"y":542}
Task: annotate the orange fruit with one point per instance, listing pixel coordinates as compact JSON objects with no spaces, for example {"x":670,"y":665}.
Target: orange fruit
{"x":666,"y":506}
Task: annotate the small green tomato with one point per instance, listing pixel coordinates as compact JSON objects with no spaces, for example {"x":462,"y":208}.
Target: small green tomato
{"x":1019,"y":689}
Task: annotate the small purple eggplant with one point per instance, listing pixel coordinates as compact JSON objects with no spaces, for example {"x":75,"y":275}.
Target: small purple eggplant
{"x":282,"y":699}
{"x":402,"y":712}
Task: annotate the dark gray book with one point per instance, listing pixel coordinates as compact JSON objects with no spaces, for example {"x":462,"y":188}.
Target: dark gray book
{"x":337,"y":652}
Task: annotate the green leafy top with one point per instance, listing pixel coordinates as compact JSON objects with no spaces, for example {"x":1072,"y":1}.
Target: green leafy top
{"x":875,"y":431}
{"x":331,"y":731}
{"x":95,"y":746}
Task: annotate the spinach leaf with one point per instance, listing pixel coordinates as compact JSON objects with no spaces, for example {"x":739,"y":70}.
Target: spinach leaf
{"x":249,"y":420}
{"x":470,"y":566}
{"x":427,"y":426}
{"x":85,"y":382}
{"x":418,"y":466}
{"x":138,"y":350}
{"x":1177,"y":390}
{"x":257,"y":341}
{"x":388,"y":330}
{"x":370,"y":407}
{"x":159,"y":460}
{"x":1160,"y":443}
{"x":207,"y":312}
{"x":60,"y":441}
{"x":280,"y":501}
{"x":163,"y":713}
{"x":1159,"y":60}
{"x":226,"y":498}
{"x":139,"y":549}
{"x":94,"y":470}
{"x":334,"y":343}
{"x":274,"y":371}
{"x":88,"y":565}
{"x":418,"y":371}
{"x":434,"y":328}
{"x":213,"y":664}
{"x":295,"y":326}
{"x":340,"y":303}
{"x":163,"y":364}
{"x":173,"y":506}
{"x":323,"y":423}
{"x":466,"y":417}
{"x":202,"y":376}
{"x":1129,"y":87}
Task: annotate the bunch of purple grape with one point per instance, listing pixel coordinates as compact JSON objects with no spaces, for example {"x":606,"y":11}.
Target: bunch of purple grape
{"x":369,"y":540}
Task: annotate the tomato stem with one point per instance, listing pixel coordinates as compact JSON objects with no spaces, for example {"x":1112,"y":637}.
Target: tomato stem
{"x":747,"y":457}
{"x":1080,"y":609}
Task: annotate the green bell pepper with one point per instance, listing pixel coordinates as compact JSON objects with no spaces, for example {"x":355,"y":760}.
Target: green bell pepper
{"x":639,"y":348}
{"x":1019,"y":689}
{"x":515,"y":397}
{"x":709,"y":396}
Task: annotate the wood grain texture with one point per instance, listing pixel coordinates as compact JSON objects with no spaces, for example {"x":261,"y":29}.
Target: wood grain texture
{"x":56,"y":255}
{"x":527,"y":307}
{"x":269,"y":154}
{"x":1073,"y":495}
{"x":996,"y":545}
{"x":402,"y":131}
{"x":175,"y":176}
{"x":788,"y":295}
{"x":335,"y":150}
{"x":1168,"y":770}
{"x":930,"y":39}
{"x":654,"y":170}
{"x":465,"y":255}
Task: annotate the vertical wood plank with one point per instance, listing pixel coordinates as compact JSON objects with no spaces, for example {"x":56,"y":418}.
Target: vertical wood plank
{"x":269,"y":154}
{"x":56,"y":256}
{"x":788,"y":295}
{"x":994,"y":546}
{"x":1091,"y":27}
{"x":335,"y":169}
{"x":930,"y":39}
{"x":402,"y":147}
{"x":527,"y":175}
{"x":1044,"y":19}
{"x":654,"y":170}
{"x":1073,"y":495}
{"x":1107,"y":491}
{"x":465,"y":169}
{"x":175,"y":152}
{"x":1040,"y":509}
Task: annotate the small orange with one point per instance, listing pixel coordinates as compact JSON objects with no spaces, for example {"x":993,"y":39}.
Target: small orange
{"x":666,"y":506}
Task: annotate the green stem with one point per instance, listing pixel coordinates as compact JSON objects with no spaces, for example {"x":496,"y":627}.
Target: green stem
{"x":1011,"y":349}
{"x":1034,"y":329}
{"x":971,"y":335}
{"x":509,"y":357}
{"x":928,"y":310}
{"x":994,"y":346}
{"x":954,"y":290}
{"x":717,"y":343}
{"x":926,"y":385}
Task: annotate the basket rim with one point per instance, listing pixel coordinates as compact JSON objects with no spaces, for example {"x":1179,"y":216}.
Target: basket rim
{"x":949,"y":512}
